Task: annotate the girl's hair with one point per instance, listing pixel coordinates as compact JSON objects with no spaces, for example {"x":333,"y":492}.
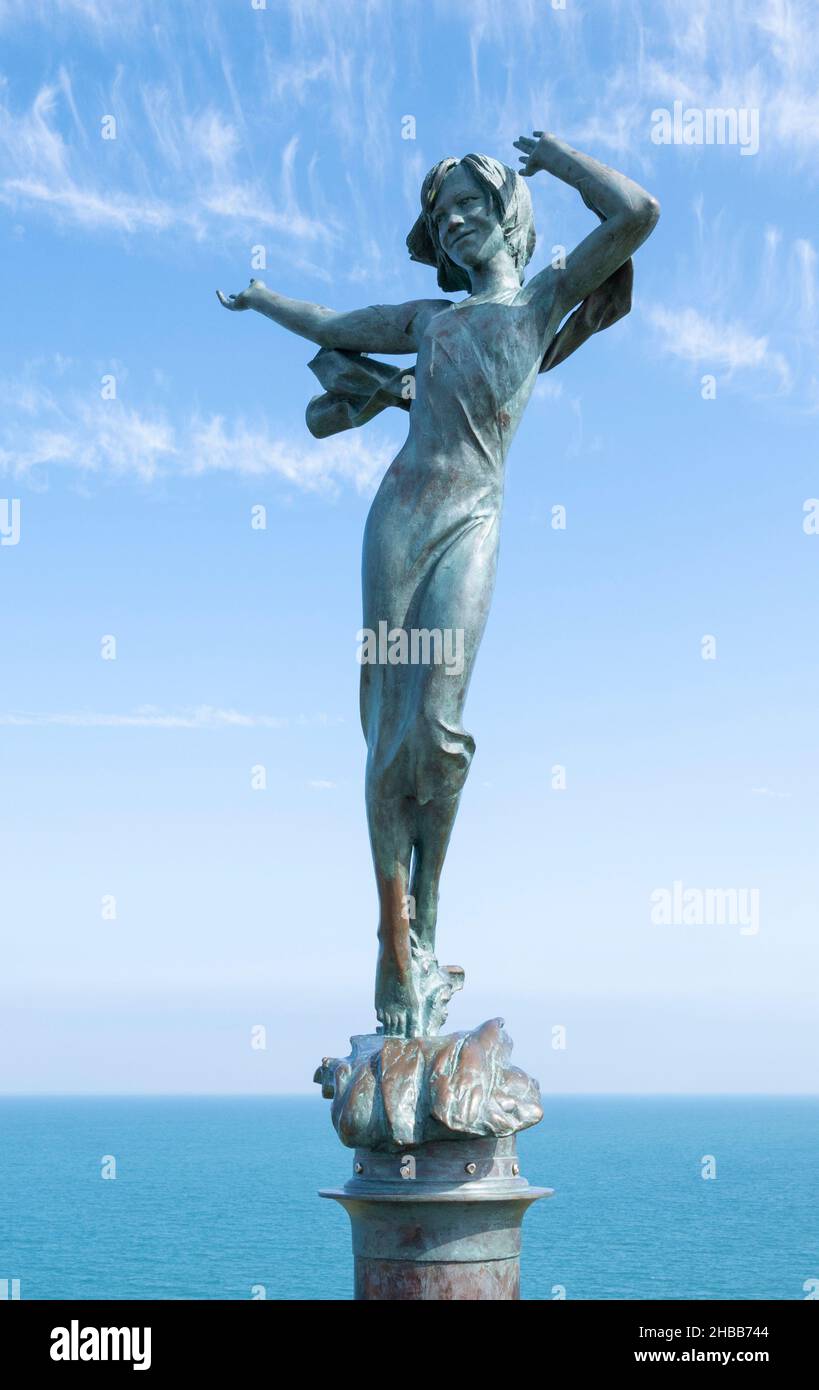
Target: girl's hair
{"x":510,"y":195}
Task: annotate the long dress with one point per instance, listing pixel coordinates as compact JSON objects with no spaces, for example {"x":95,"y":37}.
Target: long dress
{"x":431,"y":538}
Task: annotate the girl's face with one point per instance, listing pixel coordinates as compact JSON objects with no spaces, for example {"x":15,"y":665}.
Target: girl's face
{"x":466,"y":220}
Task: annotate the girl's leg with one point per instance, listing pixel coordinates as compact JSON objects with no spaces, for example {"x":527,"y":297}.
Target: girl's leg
{"x":433,"y":828}
{"x":397,"y":997}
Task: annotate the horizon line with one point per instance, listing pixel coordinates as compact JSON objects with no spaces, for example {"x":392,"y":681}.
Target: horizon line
{"x":307,"y":1095}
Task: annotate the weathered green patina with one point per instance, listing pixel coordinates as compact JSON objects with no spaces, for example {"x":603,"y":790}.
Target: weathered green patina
{"x":431,"y":539}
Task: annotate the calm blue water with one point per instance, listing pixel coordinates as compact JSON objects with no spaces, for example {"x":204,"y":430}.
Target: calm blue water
{"x":215,"y":1195}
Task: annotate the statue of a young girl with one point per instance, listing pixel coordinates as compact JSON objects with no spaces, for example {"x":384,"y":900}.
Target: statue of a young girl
{"x":431,"y":539}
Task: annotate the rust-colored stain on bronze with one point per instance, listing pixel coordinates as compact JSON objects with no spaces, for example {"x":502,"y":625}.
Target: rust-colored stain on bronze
{"x":412,"y":1238}
{"x":406,"y":1281}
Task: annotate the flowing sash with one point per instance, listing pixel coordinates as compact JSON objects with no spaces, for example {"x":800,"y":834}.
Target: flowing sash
{"x":358,"y":387}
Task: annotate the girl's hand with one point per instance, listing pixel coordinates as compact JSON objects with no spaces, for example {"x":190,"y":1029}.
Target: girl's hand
{"x":534,"y":151}
{"x":243,"y":300}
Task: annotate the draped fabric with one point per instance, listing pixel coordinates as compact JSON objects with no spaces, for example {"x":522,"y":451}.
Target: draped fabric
{"x":358,"y":387}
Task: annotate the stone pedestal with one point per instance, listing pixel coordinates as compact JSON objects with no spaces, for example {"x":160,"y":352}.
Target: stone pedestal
{"x":438,"y":1221}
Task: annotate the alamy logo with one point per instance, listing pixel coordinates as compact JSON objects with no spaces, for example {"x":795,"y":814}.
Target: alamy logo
{"x":9,"y":520}
{"x":706,"y":907}
{"x":74,"y":1343}
{"x":420,"y":646}
{"x":708,"y":125}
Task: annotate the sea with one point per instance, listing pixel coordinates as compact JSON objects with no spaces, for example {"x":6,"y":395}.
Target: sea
{"x":217,"y":1198}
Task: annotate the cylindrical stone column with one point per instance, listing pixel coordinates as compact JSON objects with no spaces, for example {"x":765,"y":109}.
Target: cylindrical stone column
{"x":438,"y":1221}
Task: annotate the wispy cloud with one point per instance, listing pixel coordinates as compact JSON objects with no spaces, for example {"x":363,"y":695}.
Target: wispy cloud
{"x":774,"y":337}
{"x":100,"y":437}
{"x":689,"y":334}
{"x":40,"y":166}
{"x":170,"y":167}
{"x":548,"y":389}
{"x":149,"y":717}
{"x":762,"y":54}
{"x":351,"y":458}
{"x":196,"y":156}
{"x":110,"y":440}
{"x":89,"y":208}
{"x":118,"y":16}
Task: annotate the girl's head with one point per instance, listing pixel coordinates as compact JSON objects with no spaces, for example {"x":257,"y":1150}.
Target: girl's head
{"x":471,"y":208}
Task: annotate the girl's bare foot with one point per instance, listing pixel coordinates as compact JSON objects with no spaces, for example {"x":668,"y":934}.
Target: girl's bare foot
{"x":398,"y":1000}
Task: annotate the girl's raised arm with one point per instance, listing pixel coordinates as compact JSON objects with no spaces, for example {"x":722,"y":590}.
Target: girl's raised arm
{"x":628,"y":215}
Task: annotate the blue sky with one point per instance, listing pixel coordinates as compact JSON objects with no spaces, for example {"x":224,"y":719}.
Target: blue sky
{"x":282,"y":128}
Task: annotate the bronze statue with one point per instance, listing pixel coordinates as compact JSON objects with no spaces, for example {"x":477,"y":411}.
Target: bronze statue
{"x":431,"y":539}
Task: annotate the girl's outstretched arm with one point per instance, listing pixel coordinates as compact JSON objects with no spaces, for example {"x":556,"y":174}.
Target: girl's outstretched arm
{"x":379,"y":328}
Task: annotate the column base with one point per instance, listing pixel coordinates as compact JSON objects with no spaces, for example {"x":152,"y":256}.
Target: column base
{"x":440,"y":1221}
